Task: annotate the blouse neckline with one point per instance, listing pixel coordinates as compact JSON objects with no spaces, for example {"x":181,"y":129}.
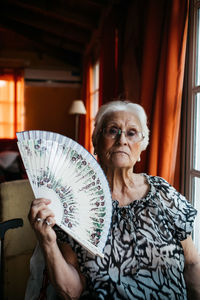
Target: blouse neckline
{"x":137,"y":201}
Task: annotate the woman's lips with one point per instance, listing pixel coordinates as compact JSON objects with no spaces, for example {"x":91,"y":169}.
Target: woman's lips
{"x":120,"y":152}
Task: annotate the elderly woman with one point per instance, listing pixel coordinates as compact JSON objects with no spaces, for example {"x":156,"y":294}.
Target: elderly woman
{"x":149,"y":253}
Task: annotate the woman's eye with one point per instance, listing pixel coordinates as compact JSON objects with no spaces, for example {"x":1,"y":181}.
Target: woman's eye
{"x":113,"y":130}
{"x":131,"y":132}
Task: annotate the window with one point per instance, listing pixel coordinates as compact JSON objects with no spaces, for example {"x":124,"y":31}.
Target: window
{"x":94,"y":92}
{"x":11,"y":105}
{"x":93,"y":103}
{"x":193,"y":119}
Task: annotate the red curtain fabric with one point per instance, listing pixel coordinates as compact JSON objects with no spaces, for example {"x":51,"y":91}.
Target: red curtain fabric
{"x":158,"y":66}
{"x":154,"y":46}
{"x":111,"y":53}
{"x":108,"y":76}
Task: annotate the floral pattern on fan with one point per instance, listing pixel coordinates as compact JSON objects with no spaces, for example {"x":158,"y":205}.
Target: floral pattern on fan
{"x":65,"y":195}
{"x":64,"y":171}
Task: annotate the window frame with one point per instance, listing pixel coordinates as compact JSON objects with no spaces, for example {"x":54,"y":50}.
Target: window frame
{"x":94,"y":93}
{"x":13,"y":119}
{"x":193,"y":90}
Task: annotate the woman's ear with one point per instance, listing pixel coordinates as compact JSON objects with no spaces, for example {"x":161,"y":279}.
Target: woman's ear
{"x":95,"y":150}
{"x":97,"y":147}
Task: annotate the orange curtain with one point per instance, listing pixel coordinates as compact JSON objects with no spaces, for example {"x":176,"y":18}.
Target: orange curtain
{"x":156,"y":71}
{"x":153,"y":70}
{"x":11,"y":104}
{"x":162,"y":83}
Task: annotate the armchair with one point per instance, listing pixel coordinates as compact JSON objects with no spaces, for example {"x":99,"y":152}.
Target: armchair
{"x":19,"y":243}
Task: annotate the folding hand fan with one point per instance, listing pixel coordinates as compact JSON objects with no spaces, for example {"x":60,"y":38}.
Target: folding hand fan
{"x":63,"y":171}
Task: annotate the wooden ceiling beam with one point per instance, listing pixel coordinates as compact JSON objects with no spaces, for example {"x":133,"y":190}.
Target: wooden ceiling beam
{"x":63,"y":43}
{"x":95,"y":4}
{"x":65,"y":14}
{"x":39,"y":45}
{"x":61,"y":29}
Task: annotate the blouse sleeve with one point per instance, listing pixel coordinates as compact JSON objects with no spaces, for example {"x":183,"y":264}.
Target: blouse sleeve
{"x":63,"y":237}
{"x":180,"y":212}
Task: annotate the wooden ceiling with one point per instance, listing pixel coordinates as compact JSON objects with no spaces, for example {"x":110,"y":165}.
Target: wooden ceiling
{"x":62,"y":29}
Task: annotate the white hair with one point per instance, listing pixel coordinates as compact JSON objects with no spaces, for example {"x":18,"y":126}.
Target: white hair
{"x":114,"y":106}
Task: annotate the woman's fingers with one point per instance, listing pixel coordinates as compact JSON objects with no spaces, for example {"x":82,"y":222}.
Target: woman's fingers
{"x":49,"y":221}
{"x":42,"y":220}
{"x":41,"y":223}
{"x":40,"y":200}
{"x":39,"y":211}
{"x":44,"y":213}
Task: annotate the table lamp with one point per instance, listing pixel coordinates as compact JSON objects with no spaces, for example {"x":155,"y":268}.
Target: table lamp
{"x":77,"y":108}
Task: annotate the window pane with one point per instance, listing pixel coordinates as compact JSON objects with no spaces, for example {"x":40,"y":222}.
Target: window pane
{"x":20,"y":105}
{"x":95,"y":103}
{"x":6,"y":113}
{"x":196,"y":202}
{"x":197,"y":133}
{"x":6,"y":131}
{"x":97,"y":75}
{"x":11,"y":106}
{"x":198,"y":49}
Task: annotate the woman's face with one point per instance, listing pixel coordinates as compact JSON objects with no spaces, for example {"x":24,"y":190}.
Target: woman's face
{"x":122,"y":151}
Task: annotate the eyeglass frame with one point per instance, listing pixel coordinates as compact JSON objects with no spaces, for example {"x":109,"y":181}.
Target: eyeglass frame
{"x":118,"y":135}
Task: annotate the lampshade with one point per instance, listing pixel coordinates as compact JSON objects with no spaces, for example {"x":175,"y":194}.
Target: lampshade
{"x":77,"y":108}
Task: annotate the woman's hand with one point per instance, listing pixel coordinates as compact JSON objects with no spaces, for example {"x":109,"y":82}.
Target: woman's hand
{"x":61,"y":263}
{"x":42,"y":220}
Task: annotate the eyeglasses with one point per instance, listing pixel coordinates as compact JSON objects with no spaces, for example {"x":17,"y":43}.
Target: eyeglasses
{"x":113,"y":132}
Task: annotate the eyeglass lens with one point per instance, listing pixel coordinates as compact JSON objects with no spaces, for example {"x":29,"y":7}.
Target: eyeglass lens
{"x":115,"y":132}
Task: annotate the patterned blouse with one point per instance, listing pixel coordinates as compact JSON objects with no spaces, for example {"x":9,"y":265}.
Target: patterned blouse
{"x":143,"y":256}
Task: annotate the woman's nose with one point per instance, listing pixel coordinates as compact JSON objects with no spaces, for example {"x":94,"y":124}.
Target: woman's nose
{"x":122,"y":137}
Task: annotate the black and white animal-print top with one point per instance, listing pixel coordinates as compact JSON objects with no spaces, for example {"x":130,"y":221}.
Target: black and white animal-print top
{"x":143,"y":256}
